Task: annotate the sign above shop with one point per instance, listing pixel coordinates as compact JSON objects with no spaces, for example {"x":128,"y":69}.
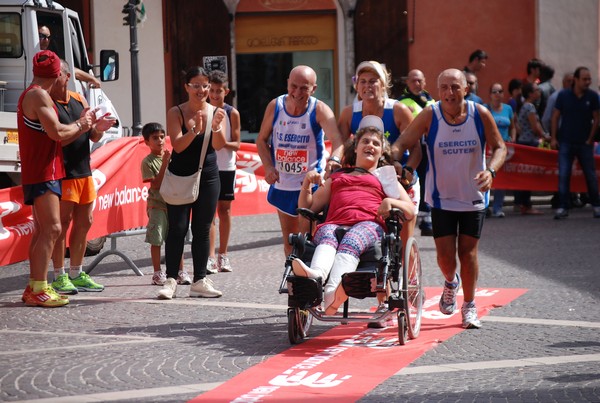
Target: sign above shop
{"x":252,"y":6}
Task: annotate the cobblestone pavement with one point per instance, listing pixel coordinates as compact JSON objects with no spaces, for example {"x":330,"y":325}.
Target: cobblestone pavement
{"x":124,"y":345}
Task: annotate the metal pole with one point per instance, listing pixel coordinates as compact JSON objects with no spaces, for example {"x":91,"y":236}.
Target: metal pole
{"x":135,"y":77}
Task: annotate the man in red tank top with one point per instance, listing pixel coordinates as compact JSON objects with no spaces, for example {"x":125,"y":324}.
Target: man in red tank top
{"x":40,"y":136}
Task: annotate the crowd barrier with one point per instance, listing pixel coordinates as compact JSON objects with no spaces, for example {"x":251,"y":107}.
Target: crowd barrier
{"x":121,"y":202}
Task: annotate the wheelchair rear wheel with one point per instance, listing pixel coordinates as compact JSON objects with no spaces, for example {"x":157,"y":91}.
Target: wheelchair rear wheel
{"x":299,"y":322}
{"x":412,"y":288}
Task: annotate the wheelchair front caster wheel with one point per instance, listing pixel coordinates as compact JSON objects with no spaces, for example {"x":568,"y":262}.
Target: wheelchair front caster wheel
{"x":299,"y":322}
{"x":402,"y":328}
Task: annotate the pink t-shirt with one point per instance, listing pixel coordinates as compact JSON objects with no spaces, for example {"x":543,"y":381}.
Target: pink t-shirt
{"x":354,"y":198}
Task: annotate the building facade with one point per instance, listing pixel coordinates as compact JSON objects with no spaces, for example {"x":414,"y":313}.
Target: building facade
{"x":259,"y":41}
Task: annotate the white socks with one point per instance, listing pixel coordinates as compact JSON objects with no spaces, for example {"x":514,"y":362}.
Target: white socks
{"x":74,"y":271}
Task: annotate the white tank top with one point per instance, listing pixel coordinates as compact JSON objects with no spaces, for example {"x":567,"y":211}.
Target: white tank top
{"x":456,"y":155}
{"x":297,"y":144}
{"x":225,"y":157}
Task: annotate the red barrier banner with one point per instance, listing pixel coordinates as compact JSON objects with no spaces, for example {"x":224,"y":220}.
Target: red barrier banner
{"x":121,"y":201}
{"x":536,"y":169}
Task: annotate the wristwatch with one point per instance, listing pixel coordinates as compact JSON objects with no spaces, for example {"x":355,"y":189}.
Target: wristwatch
{"x":335,"y":159}
{"x":492,"y":171}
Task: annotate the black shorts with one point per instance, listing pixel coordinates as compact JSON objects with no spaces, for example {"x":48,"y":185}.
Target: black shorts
{"x":30,"y":192}
{"x":447,"y":222}
{"x":227,"y":185}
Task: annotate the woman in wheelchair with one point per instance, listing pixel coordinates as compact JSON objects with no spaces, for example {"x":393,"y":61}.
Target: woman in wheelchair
{"x":360,"y":197}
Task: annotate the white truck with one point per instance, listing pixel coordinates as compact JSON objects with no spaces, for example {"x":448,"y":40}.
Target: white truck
{"x":19,"y":41}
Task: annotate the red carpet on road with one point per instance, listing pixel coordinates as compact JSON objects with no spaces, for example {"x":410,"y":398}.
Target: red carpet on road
{"x":346,"y":362}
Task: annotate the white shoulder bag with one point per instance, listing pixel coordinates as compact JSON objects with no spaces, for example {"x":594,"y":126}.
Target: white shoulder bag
{"x":178,"y":190}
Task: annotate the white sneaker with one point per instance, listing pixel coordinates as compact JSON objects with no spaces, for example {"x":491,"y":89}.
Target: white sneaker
{"x":224,"y":264}
{"x":168,"y":290}
{"x":159,"y":278}
{"x":469,"y":317}
{"x":211,"y":266}
{"x":204,"y":288}
{"x":183,"y":278}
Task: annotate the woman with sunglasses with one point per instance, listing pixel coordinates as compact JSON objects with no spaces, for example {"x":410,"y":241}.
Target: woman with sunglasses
{"x":186,"y":127}
{"x":505,"y":120}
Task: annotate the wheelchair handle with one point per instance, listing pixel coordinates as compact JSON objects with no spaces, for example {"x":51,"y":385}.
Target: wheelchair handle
{"x":397,"y":214}
{"x":308,"y":214}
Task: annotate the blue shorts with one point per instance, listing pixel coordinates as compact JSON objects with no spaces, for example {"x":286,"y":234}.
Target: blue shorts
{"x":30,"y":192}
{"x":285,"y":201}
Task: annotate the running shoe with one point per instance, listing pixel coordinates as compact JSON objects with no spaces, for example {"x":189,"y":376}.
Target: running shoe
{"x":168,"y":290}
{"x":47,"y":298}
{"x":223,"y":263}
{"x":204,"y":288}
{"x":448,"y":298}
{"x":26,"y":293}
{"x":159,"y":278}
{"x":211,"y":266}
{"x":498,"y":214}
{"x":560,"y":214}
{"x":597,"y":212}
{"x":382,"y":308}
{"x":63,"y":285}
{"x":469,"y":316}
{"x":84,"y":282}
{"x":183,"y":278}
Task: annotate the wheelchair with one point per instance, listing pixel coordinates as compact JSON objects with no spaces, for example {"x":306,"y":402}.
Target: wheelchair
{"x":381,"y":265}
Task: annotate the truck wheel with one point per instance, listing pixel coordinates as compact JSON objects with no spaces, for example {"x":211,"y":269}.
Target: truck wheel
{"x":92,"y":248}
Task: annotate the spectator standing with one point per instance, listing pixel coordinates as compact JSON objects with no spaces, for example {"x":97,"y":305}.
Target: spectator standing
{"x":567,"y":83}
{"x":416,"y":98}
{"x":42,"y":169}
{"x":578,"y":110}
{"x":472,"y":85}
{"x":153,"y":168}
{"x":226,"y":160}
{"x":458,"y":182}
{"x":515,"y":92}
{"x":186,"y":127}
{"x":546,"y":87}
{"x":531,"y":133}
{"x":291,"y":143}
{"x":534,"y":70}
{"x":78,"y":189}
{"x":504,"y":117}
{"x":477,"y":62}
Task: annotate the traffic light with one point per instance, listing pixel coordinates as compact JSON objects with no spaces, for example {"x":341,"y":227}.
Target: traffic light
{"x":128,"y":10}
{"x":134,"y":9}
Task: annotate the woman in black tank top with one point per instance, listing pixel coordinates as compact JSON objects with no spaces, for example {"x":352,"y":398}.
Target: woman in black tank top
{"x":186,"y":128}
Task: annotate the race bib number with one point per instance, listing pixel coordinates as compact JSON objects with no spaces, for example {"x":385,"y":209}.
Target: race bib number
{"x":293,"y":162}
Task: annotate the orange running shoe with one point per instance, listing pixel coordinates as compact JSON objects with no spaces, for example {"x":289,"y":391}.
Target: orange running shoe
{"x":47,"y":298}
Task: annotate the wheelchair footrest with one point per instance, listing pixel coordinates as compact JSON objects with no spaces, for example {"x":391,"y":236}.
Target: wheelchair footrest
{"x":357,"y":284}
{"x":395,"y":302}
{"x":304,"y":292}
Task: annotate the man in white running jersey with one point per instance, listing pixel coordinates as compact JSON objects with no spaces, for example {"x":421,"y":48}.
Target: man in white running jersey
{"x":291,"y":143}
{"x":457,"y":184}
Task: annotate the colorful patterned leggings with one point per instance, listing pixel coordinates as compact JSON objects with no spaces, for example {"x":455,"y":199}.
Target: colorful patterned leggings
{"x":356,"y":240}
